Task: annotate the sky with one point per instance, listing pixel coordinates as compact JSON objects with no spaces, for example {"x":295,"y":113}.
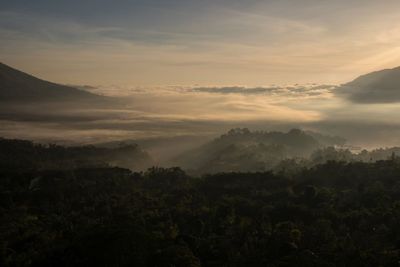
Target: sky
{"x":203,"y":43}
{"x":203,"y":67}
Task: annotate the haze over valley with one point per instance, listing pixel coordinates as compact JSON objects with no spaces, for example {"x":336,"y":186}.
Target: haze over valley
{"x":34,"y":109}
{"x":169,"y":133}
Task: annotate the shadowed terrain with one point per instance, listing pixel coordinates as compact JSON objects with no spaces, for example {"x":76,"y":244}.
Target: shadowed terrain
{"x":153,"y":133}
{"x":17,"y":86}
{"x":329,"y":214}
{"x":376,"y":87}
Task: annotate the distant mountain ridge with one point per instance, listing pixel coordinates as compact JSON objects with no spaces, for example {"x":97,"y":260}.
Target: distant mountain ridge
{"x":376,"y":87}
{"x":17,"y":86}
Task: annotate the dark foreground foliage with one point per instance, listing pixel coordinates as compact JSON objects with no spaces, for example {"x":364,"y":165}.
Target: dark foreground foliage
{"x":26,"y":155}
{"x":336,"y":214}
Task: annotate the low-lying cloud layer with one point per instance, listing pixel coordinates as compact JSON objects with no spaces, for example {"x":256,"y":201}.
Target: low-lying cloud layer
{"x":204,"y":111}
{"x":310,"y":90}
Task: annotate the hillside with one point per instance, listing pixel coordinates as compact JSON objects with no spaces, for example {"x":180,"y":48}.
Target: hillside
{"x":17,"y":86}
{"x":26,"y":155}
{"x":243,"y":150}
{"x":377,"y":87}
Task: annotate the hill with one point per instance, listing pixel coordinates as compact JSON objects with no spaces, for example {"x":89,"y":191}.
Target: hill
{"x":17,"y":86}
{"x":243,"y":150}
{"x":26,"y":155}
{"x":376,"y":87}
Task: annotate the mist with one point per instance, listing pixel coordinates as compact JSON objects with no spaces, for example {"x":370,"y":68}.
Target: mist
{"x":187,"y":133}
{"x":142,"y":113}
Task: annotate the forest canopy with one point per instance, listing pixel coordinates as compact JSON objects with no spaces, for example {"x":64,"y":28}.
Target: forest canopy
{"x":329,"y":214}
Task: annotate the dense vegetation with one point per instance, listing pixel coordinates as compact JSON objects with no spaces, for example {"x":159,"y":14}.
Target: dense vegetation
{"x":332,"y":214}
{"x":242,"y":150}
{"x":26,"y":155}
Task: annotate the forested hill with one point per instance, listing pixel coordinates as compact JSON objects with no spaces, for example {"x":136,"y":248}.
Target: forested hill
{"x":26,"y":155}
{"x":244,"y":150}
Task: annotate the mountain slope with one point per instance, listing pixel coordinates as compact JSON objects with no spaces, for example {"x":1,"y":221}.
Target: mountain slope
{"x":17,"y":86}
{"x":376,"y":87}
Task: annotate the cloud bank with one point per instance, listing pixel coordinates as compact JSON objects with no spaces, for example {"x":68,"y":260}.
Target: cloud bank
{"x":158,"y":112}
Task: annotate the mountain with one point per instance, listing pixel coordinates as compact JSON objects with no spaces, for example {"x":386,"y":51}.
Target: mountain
{"x":243,"y":150}
{"x":17,"y":86}
{"x":376,"y":87}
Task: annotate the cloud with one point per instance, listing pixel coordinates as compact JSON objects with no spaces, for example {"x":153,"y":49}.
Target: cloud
{"x":198,"y":42}
{"x":298,"y":90}
{"x":211,"y":44}
{"x":367,"y":133}
{"x":204,"y":111}
{"x":236,"y":90}
{"x":146,"y":112}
